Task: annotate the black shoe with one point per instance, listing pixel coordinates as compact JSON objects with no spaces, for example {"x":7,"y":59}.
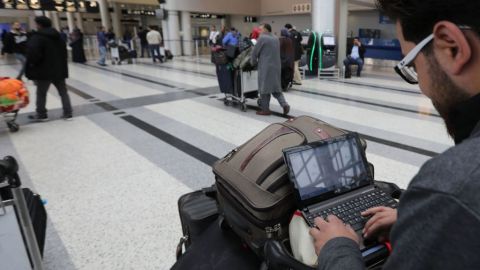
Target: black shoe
{"x":68,"y":117}
{"x":38,"y":118}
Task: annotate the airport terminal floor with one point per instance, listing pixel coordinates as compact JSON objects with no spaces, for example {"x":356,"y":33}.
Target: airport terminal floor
{"x":144,"y":134}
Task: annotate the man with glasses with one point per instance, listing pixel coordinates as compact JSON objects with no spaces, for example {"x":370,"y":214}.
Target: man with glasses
{"x":437,"y":225}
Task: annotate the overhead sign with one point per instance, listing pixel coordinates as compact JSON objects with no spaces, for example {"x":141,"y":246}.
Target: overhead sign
{"x":207,"y":16}
{"x":51,"y":5}
{"x":302,"y":8}
{"x":250,"y":19}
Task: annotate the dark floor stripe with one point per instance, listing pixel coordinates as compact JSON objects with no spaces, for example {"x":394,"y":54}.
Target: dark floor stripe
{"x":379,"y":87}
{"x":405,"y":147}
{"x":368,"y":103}
{"x":181,"y":145}
{"x":179,"y":69}
{"x":119,"y":113}
{"x":80,"y":93}
{"x":133,"y":76}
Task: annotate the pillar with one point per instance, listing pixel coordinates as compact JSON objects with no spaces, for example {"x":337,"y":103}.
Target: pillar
{"x":187,"y":33}
{"x":174,"y":32}
{"x":342,"y":31}
{"x":70,"y":21}
{"x":79,"y":20}
{"x":55,"y":20}
{"x":104,"y":14}
{"x":31,"y":21}
{"x":165,"y":36}
{"x":323,"y":16}
{"x":117,"y":25}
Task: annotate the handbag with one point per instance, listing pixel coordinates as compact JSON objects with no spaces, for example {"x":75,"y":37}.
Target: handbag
{"x":219,"y":57}
{"x":232,"y":51}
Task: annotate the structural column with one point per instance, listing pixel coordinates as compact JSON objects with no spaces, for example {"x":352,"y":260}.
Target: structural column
{"x":31,"y":21}
{"x":117,"y":25}
{"x":174,"y":32}
{"x":70,"y":21}
{"x":104,"y":14}
{"x":323,"y":16}
{"x":79,"y":20}
{"x":53,"y":16}
{"x":165,"y":36}
{"x":342,"y":31}
{"x":187,"y":33}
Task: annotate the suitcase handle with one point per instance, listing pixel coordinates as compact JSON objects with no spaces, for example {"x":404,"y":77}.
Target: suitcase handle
{"x":180,"y":245}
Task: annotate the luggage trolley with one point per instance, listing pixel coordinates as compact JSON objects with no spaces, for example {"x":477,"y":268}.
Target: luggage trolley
{"x":15,"y":97}
{"x":21,"y":250}
{"x":245,"y":86}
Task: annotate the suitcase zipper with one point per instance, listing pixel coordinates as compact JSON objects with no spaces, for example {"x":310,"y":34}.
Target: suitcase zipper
{"x":279,"y":133}
{"x":248,"y":215}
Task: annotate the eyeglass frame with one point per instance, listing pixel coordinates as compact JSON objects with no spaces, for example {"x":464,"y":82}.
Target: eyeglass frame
{"x":405,"y":64}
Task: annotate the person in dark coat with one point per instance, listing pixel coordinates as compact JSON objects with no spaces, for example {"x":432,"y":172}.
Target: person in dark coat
{"x":76,"y":42}
{"x":47,"y":64}
{"x":16,"y":42}
{"x":287,"y":55}
{"x":298,"y":47}
{"x":266,"y":54}
{"x":142,"y":35}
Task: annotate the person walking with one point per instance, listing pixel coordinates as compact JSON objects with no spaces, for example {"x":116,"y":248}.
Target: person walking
{"x":142,"y":35}
{"x":212,"y":40}
{"x":102,"y":45}
{"x":154,"y":39}
{"x":76,"y":42}
{"x":287,"y":55}
{"x":298,"y":48}
{"x":46,"y":65}
{"x":16,"y":43}
{"x":266,"y":54}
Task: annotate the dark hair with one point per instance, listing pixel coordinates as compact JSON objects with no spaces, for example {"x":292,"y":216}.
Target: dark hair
{"x":418,"y":17}
{"x":288,"y":26}
{"x":267,"y":26}
{"x":43,"y":21}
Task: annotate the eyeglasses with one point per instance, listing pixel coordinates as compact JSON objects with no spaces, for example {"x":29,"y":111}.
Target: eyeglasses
{"x":406,"y":69}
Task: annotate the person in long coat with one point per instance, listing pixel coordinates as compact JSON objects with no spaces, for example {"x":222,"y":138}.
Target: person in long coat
{"x":76,"y":42}
{"x":266,"y":54}
{"x":287,"y":54}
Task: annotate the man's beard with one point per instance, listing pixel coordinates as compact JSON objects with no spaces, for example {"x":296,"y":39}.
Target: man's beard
{"x":446,"y":96}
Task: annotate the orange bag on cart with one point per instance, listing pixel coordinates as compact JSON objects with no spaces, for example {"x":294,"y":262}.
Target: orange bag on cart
{"x":13,"y":95}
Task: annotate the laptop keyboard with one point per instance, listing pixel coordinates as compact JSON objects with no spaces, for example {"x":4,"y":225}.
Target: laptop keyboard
{"x":349,"y":212}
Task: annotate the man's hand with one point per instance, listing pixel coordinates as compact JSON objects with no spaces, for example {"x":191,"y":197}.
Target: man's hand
{"x":380,"y":224}
{"x":326,"y":231}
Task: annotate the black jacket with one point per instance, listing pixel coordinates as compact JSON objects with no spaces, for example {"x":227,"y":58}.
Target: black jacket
{"x":361,"y":51}
{"x":15,"y":42}
{"x":297,"y":44}
{"x":46,"y":56}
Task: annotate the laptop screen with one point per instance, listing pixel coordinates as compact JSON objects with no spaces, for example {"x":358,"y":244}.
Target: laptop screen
{"x":328,"y":168}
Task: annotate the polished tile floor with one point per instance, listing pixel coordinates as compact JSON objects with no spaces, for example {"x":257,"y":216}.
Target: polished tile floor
{"x":144,"y":134}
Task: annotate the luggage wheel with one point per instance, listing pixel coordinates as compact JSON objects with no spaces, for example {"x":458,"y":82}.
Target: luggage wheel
{"x":13,"y":127}
{"x":227,"y":102}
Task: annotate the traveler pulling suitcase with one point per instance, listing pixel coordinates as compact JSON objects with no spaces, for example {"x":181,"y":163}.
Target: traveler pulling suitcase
{"x":254,"y":192}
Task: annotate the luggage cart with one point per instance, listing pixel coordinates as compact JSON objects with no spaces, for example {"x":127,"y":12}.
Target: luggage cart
{"x":10,"y":106}
{"x":23,"y":251}
{"x":245,"y":86}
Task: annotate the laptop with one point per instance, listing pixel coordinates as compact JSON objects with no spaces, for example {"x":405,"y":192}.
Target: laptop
{"x":332,"y":177}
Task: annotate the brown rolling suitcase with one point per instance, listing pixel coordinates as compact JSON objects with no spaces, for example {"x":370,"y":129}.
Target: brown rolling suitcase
{"x":254,"y":193}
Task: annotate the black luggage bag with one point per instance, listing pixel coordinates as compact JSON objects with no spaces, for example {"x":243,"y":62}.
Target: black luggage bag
{"x":211,"y":246}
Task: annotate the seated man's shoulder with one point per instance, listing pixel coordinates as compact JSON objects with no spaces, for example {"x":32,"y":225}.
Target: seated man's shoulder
{"x":454,"y":172}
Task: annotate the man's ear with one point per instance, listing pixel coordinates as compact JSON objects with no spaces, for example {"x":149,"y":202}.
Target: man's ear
{"x":451,"y":47}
